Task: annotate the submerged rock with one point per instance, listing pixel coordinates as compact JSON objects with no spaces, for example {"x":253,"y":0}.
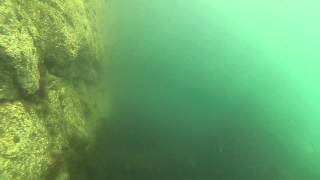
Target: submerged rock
{"x":17,"y":44}
{"x":49,"y":56}
{"x":24,"y":140}
{"x":8,"y":90}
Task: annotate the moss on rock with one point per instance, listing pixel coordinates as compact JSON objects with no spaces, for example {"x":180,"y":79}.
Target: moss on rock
{"x":8,"y":91}
{"x":49,"y":60}
{"x":24,"y":152}
{"x":17,"y":44}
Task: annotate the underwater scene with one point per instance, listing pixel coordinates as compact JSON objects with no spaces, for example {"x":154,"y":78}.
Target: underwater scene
{"x":159,"y":90}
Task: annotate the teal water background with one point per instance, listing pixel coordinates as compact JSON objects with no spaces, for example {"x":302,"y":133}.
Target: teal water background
{"x":204,"y":90}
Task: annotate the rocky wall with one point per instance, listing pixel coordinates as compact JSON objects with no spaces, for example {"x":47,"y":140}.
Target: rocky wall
{"x":49,"y":70}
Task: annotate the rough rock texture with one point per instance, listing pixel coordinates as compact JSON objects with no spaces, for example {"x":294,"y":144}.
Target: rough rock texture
{"x":49,"y":59}
{"x":24,"y":142}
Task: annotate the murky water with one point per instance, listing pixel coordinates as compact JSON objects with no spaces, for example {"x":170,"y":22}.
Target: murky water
{"x":203,"y":90}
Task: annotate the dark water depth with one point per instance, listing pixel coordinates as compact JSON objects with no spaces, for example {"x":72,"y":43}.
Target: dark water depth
{"x":211,"y":90}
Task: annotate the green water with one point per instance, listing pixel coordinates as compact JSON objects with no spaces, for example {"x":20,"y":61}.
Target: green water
{"x":211,"y":89}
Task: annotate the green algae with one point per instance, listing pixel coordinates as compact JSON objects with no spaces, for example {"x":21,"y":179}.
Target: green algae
{"x":47,"y":51}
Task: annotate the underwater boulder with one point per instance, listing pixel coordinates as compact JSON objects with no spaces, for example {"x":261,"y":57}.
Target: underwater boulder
{"x":24,"y":143}
{"x":48,"y":49}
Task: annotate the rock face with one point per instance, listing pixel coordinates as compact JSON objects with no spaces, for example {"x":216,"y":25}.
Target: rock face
{"x":49,"y":59}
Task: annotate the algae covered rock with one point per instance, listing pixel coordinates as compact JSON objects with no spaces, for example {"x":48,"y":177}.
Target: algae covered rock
{"x":17,"y":34}
{"x":8,"y":90}
{"x":24,"y":142}
{"x":49,"y":66}
{"x":54,"y":32}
